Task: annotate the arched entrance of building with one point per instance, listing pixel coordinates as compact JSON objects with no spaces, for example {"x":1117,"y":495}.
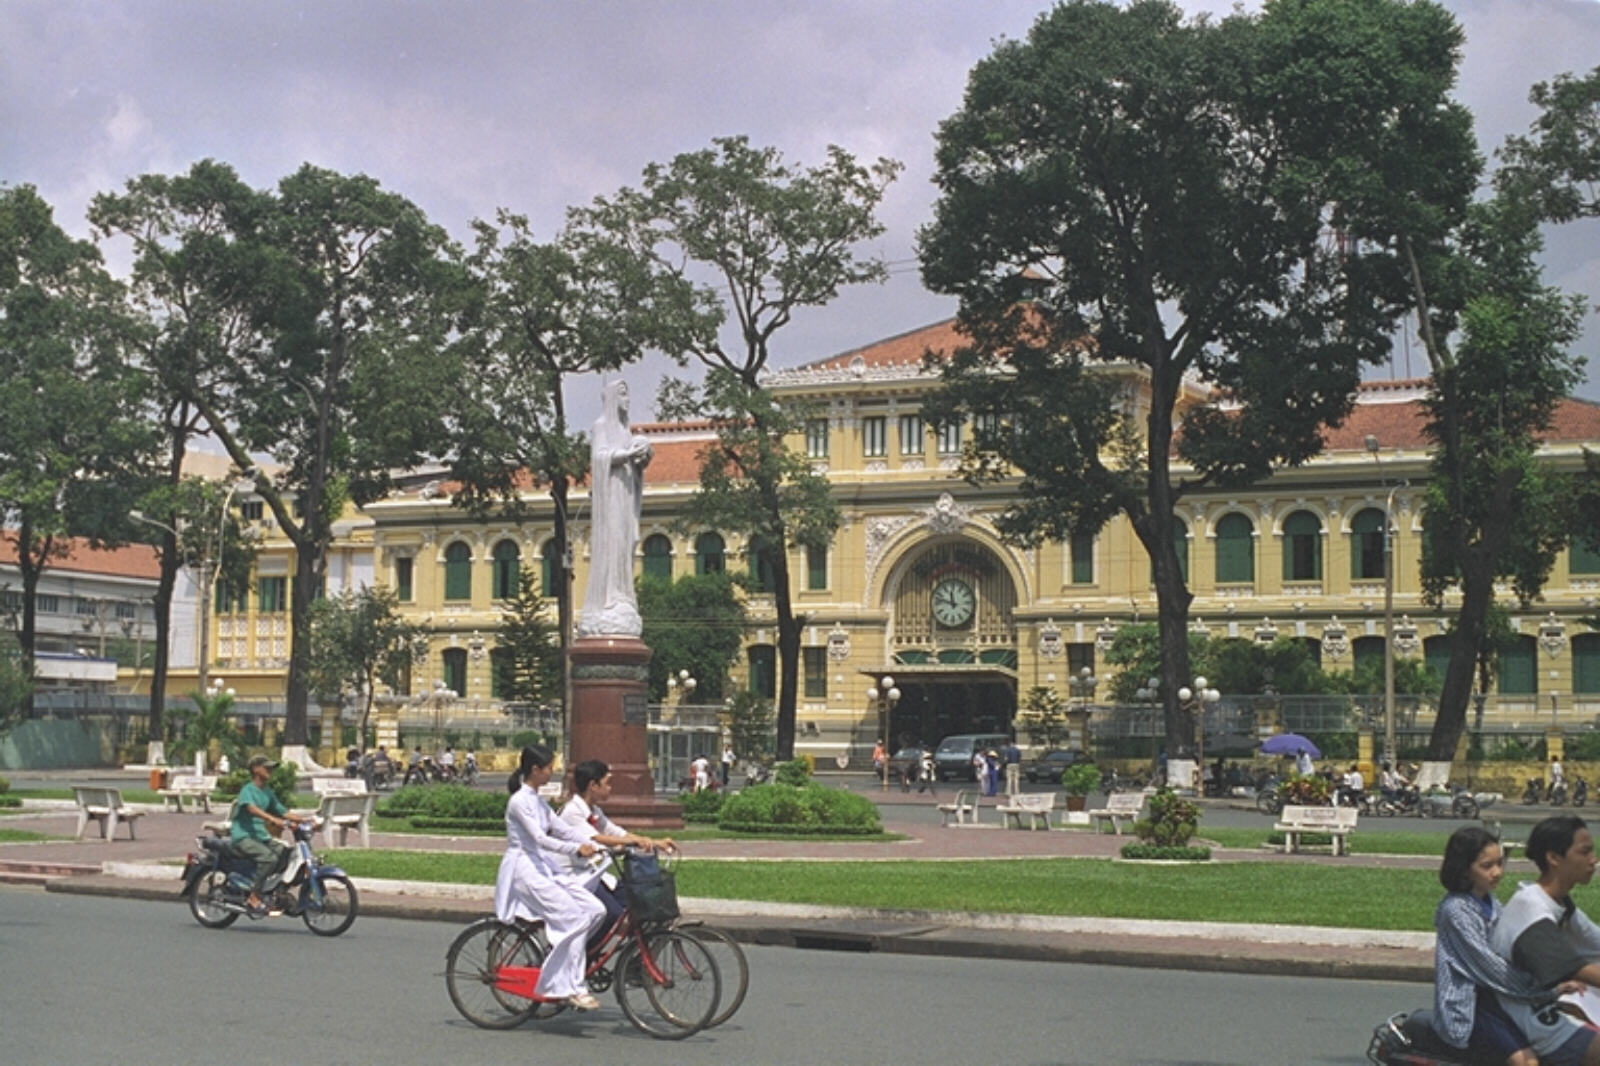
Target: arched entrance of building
{"x":953,"y":643}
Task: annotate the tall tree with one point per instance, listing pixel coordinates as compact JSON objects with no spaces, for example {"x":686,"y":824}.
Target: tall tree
{"x":1166,"y":241}
{"x":183,"y":232}
{"x":531,"y":657}
{"x":353,"y":293}
{"x":1497,"y":340}
{"x":777,"y":238}
{"x":695,"y":623}
{"x":359,"y":639}
{"x":540,"y":314}
{"x":70,"y":412}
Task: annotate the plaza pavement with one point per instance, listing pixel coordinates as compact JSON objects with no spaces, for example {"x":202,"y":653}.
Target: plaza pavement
{"x":144,"y":867}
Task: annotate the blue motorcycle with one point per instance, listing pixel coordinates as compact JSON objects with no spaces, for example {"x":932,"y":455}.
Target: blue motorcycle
{"x":217,"y":879}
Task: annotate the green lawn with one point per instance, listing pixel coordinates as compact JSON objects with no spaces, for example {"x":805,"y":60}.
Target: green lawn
{"x":23,"y":836}
{"x":1285,"y":893}
{"x":1398,"y":843}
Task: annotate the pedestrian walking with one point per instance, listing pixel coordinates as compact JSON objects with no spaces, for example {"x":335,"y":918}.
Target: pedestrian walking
{"x":1013,"y":759}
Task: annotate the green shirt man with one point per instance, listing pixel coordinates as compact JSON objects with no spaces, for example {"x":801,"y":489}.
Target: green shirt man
{"x":258,"y":816}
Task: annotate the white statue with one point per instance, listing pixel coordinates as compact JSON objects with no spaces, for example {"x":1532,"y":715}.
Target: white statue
{"x":617,"y":459}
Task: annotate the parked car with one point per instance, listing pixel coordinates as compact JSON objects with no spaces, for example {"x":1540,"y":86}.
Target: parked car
{"x":953,"y":759}
{"x":1049,"y":766}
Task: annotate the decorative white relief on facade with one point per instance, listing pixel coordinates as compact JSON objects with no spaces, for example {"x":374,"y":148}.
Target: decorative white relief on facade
{"x":877,"y":466}
{"x":1104,"y":636}
{"x":838,"y":644}
{"x":1335,"y":639}
{"x":1235,"y":592}
{"x":1199,"y":627}
{"x":1050,"y":646}
{"x":879,"y":532}
{"x":820,"y":468}
{"x":947,"y":516}
{"x":1552,"y":635}
{"x":950,"y":462}
{"x":1266,"y":632}
{"x":1406,"y":639}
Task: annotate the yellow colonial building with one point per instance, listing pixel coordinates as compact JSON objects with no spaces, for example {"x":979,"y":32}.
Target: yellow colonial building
{"x":917,"y":584}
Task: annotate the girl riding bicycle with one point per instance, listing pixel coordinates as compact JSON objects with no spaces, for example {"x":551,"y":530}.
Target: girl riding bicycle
{"x":533,"y":881}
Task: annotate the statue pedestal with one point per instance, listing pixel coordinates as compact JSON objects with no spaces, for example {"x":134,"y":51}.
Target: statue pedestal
{"x":610,"y":722}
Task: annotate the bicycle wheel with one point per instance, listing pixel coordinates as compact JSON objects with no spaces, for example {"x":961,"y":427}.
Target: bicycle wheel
{"x":332,"y":910}
{"x":731,"y":967}
{"x":683,"y":991}
{"x":1464,"y":806}
{"x":471,"y":966}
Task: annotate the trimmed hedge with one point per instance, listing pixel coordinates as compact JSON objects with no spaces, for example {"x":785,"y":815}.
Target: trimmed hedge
{"x":808,"y":810}
{"x":423,"y":821}
{"x":1158,"y":851}
{"x":10,"y":801}
{"x":446,"y":801}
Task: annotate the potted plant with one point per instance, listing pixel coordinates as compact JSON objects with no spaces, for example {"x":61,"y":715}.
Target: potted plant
{"x":1078,"y":781}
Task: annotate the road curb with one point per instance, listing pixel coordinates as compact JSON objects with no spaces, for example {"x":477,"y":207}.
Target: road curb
{"x":1200,"y":947}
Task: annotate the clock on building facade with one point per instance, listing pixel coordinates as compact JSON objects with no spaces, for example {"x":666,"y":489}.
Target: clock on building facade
{"x":953,"y":603}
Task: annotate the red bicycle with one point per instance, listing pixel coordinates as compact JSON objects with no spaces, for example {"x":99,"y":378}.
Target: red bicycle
{"x":492,"y":968}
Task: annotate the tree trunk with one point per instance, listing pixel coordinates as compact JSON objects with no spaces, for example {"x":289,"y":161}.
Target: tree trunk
{"x":1477,"y":592}
{"x":563,"y":587}
{"x":298,"y":694}
{"x":163,"y":611}
{"x":788,"y":651}
{"x":30,"y":582}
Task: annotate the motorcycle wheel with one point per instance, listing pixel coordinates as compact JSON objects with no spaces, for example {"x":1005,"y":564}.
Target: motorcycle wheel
{"x":1386,"y":809}
{"x":334,"y":912}
{"x":1465,"y":807}
{"x":1268,"y":803}
{"x":1425,"y":809}
{"x":206,"y":901}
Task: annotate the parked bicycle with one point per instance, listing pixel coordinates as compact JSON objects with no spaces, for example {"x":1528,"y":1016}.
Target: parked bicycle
{"x":492,"y":968}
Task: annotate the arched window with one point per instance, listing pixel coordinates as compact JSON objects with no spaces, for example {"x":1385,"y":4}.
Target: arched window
{"x":762,"y":577}
{"x":1519,"y":668}
{"x":709,"y":554}
{"x":502,"y":672}
{"x":1313,"y":647}
{"x":1302,"y":547}
{"x":458,"y":572}
{"x":455,"y":670}
{"x":1586,"y":663}
{"x":1365,"y":650}
{"x":549,"y":568}
{"x":1366,"y":545}
{"x":658,"y":557}
{"x":763,"y":670}
{"x":507,"y":558}
{"x":1236,"y":549}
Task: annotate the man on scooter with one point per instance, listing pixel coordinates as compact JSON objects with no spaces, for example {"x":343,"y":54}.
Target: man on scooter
{"x":1542,"y":931}
{"x":256,"y":809}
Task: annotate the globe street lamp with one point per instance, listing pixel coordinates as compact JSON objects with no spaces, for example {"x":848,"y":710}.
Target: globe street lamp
{"x":1147,"y":694}
{"x":883,"y":696}
{"x":1388,"y":601}
{"x":682,"y":683}
{"x":1194,"y":700}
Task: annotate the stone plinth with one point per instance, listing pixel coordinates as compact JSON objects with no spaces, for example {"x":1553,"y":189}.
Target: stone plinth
{"x":610,"y":722}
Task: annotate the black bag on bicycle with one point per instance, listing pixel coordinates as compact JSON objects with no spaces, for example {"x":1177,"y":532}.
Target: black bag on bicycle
{"x":650,"y":891}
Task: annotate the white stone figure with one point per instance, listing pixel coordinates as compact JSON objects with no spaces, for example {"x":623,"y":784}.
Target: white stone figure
{"x":617,"y":459}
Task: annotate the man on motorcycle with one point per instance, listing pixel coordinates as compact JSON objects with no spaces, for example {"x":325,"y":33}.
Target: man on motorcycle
{"x":256,"y":809}
{"x":1544,"y":933}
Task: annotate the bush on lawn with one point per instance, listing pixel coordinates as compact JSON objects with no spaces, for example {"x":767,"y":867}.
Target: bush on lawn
{"x":795,"y":772}
{"x":702,"y":806}
{"x":446,"y":801}
{"x":812,"y":809}
{"x":5,"y":786}
{"x":281,"y":783}
{"x":1171,"y":823}
{"x":10,"y":801}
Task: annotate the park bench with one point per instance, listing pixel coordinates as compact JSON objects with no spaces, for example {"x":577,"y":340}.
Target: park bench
{"x":105,"y":806}
{"x":345,"y":811}
{"x":963,"y":810}
{"x":188,"y":786}
{"x":338,"y":786}
{"x":1034,"y":806}
{"x":1120,"y":806}
{"x":1296,"y":821}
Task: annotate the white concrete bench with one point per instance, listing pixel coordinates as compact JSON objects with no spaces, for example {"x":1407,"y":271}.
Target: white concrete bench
{"x":188,"y":786}
{"x":963,"y":810}
{"x":346,"y":811}
{"x":105,"y":806}
{"x":1034,"y":806}
{"x":1120,"y":807}
{"x":338,"y":786}
{"x":1337,"y":822}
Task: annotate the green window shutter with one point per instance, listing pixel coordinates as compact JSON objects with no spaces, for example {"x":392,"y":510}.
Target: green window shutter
{"x":1082,"y":558}
{"x":455,"y":670}
{"x":1236,"y":550}
{"x":816,"y":569}
{"x":402,"y":578}
{"x":1366,"y":545}
{"x":1519,"y":673}
{"x":763,"y":670}
{"x":1302,"y":547}
{"x":1586,"y":663}
{"x":658,"y":557}
{"x":709,"y":552}
{"x":816,"y":664}
{"x":549,"y":569}
{"x":506,"y":559}
{"x":458,"y":572}
{"x":1582,"y":559}
{"x":1436,"y":654}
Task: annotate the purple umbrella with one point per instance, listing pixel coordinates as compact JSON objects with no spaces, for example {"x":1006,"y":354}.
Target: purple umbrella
{"x":1289,"y":744}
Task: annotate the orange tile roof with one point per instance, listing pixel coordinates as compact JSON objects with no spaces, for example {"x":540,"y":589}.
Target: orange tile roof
{"x":906,"y":349}
{"x":133,"y":560}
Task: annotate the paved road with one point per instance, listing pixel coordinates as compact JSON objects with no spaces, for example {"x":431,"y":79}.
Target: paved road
{"x":106,"y":980}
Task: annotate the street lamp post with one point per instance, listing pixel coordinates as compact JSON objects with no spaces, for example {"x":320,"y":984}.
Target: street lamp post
{"x":883,"y":696}
{"x":1081,"y":686}
{"x":1388,"y":601}
{"x":1195,"y":700}
{"x":1147,"y":694}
